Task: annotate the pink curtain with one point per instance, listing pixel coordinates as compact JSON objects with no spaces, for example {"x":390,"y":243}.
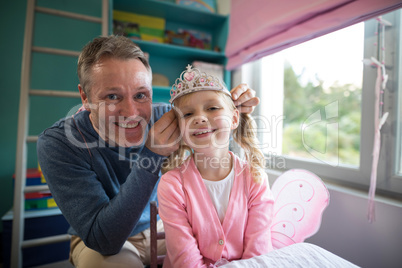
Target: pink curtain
{"x":262,"y":27}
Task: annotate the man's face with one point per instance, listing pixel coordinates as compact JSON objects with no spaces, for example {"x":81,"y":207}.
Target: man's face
{"x":119,"y":100}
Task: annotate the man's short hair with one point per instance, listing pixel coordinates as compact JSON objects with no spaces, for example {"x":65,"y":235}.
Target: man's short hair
{"x":118,"y":47}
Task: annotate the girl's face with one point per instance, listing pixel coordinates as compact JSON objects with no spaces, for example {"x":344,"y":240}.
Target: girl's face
{"x":206,"y":119}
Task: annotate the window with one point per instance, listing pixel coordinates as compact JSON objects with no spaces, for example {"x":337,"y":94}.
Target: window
{"x":317,"y":109}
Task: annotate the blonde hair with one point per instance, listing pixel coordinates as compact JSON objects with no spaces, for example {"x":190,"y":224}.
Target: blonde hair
{"x":244,"y":135}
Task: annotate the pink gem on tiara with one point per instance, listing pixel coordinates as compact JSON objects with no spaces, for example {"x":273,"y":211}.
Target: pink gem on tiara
{"x":189,"y":76}
{"x":193,"y":80}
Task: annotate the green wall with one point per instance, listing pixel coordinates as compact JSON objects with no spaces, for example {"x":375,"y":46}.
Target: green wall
{"x":48,"y":72}
{"x":11,"y":32}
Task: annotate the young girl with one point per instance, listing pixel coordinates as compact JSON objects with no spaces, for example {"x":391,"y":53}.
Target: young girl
{"x":214,"y":206}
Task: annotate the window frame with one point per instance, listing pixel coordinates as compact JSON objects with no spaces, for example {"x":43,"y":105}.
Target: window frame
{"x":389,"y":183}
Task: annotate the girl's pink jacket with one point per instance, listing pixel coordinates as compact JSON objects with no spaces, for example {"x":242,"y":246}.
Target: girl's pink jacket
{"x":195,"y":236}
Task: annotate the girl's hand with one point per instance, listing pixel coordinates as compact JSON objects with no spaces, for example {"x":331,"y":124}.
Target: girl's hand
{"x":244,"y":98}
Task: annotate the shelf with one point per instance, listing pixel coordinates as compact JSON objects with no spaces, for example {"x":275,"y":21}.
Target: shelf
{"x":171,"y":11}
{"x":33,"y":213}
{"x":170,"y":60}
{"x":168,"y":50}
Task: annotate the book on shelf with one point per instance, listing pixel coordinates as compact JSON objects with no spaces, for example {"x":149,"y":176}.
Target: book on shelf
{"x":136,"y":26}
{"x":40,"y":199}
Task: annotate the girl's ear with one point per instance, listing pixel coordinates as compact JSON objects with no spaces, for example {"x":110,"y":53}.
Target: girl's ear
{"x":235,"y":120}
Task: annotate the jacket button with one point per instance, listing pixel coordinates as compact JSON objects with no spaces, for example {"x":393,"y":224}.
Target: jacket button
{"x":221,"y":242}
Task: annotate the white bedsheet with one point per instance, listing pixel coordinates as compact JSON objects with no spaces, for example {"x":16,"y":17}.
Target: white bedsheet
{"x":297,"y":255}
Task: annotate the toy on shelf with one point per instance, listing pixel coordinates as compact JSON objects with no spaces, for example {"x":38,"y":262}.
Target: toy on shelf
{"x":189,"y":38}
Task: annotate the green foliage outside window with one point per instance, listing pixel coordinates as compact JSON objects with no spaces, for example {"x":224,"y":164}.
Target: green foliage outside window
{"x":302,"y":101}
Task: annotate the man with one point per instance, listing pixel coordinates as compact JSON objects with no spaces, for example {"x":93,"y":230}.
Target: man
{"x":102,"y":165}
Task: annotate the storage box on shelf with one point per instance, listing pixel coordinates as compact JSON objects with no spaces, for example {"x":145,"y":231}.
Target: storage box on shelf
{"x":135,"y":26}
{"x":170,"y":60}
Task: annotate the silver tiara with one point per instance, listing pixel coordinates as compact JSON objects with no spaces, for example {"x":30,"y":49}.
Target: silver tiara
{"x":192,"y":80}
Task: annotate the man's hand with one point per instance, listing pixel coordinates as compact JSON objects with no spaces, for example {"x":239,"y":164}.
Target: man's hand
{"x":244,"y":98}
{"x":164,"y":136}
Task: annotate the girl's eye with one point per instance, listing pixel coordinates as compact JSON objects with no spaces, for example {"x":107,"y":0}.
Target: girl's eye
{"x":187,"y":115}
{"x":213,"y":108}
{"x":112,"y":97}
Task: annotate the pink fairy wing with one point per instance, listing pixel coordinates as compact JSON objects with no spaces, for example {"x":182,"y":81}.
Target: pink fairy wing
{"x":300,"y":199}
{"x":279,"y":240}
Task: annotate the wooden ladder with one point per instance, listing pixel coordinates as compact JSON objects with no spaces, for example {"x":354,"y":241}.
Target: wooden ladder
{"x":20,"y":187}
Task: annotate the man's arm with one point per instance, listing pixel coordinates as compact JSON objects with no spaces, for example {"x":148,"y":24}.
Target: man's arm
{"x":244,"y":98}
{"x":164,"y":136}
{"x":102,"y":200}
{"x":103,"y":216}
